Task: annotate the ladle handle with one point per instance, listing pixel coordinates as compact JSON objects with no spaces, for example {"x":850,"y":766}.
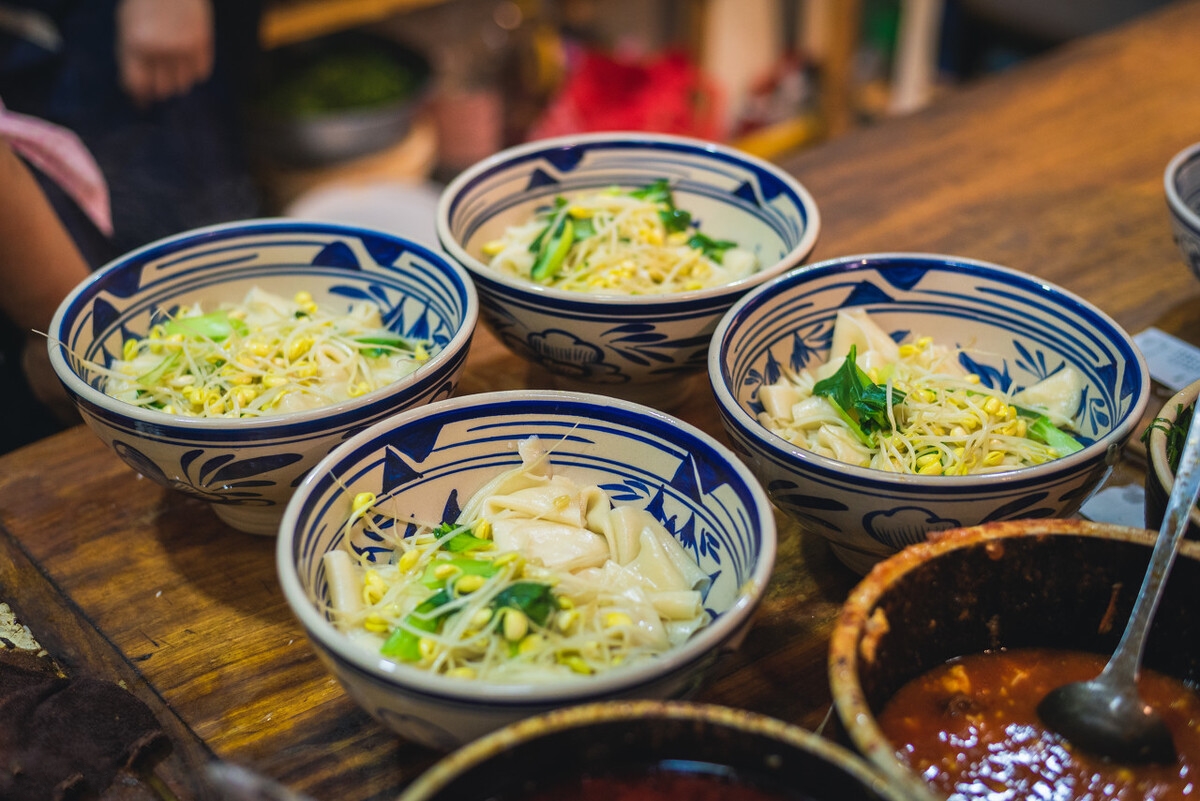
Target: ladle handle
{"x":1127,"y":659}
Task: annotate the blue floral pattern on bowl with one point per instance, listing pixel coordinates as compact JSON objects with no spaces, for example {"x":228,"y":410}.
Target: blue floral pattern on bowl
{"x":428,"y":462}
{"x":248,"y":468}
{"x":1015,"y":331}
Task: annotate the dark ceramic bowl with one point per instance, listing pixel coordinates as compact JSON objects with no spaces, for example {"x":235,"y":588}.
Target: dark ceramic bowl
{"x":541,"y":753}
{"x":1160,"y":477}
{"x":1032,"y":583}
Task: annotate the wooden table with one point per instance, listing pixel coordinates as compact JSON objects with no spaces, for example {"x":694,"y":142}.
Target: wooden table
{"x":1054,"y":168}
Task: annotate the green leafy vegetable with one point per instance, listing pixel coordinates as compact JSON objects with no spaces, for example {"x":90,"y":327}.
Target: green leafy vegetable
{"x":403,"y":643}
{"x":387,"y":342}
{"x":658,"y":191}
{"x":557,"y":212}
{"x":554,"y":252}
{"x":859,"y":401}
{"x":675,"y":220}
{"x":533,"y":598}
{"x":553,"y":243}
{"x":216,"y":326}
{"x":1042,"y":430}
{"x":349,"y":77}
{"x":465,"y":542}
{"x":712,"y":248}
{"x":466,"y":567}
{"x":1176,"y":432}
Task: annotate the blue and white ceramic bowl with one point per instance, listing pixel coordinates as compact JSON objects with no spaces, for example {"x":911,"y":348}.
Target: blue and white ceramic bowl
{"x":1018,"y":329}
{"x":636,"y":347}
{"x":248,"y":468}
{"x":429,"y":460}
{"x":1181,"y":181}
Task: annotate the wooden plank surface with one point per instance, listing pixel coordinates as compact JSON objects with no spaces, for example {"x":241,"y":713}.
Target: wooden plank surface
{"x":1054,"y":168}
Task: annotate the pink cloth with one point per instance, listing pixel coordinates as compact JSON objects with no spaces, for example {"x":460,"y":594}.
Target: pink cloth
{"x":64,"y":158}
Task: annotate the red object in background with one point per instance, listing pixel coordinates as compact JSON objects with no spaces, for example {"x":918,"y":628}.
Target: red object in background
{"x":665,"y":94}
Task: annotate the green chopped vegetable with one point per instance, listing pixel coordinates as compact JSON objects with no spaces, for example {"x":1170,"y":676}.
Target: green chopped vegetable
{"x":674,"y":219}
{"x":403,"y":643}
{"x":466,"y":566}
{"x":1176,"y":432}
{"x":388,"y":342}
{"x":216,"y":326}
{"x":1042,"y":430}
{"x":658,"y":191}
{"x":859,"y":401}
{"x":375,"y":346}
{"x":554,"y":252}
{"x":533,"y":598}
{"x":712,"y":248}
{"x":363,"y":77}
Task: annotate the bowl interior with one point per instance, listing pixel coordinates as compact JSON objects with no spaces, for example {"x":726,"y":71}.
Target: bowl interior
{"x":427,"y":462}
{"x":731,"y":195}
{"x":1015,"y":330}
{"x":621,"y":739}
{"x":420,"y":294}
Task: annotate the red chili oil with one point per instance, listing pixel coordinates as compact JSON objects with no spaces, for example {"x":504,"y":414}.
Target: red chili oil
{"x":971,"y":729}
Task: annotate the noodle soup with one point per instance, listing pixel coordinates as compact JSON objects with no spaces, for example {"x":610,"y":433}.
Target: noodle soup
{"x":265,"y":355}
{"x":631,"y":242}
{"x":538,"y":579}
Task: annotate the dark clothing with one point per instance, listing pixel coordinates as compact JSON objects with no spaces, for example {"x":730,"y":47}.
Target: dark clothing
{"x":177,"y":165}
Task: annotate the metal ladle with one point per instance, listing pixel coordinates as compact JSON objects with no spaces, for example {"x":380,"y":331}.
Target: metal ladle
{"x":1106,"y":716}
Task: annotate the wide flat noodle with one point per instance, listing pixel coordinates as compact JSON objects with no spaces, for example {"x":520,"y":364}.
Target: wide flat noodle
{"x":550,"y":543}
{"x":539,"y":577}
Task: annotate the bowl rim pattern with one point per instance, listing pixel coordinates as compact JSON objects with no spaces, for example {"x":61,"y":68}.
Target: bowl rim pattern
{"x":1159,"y":468}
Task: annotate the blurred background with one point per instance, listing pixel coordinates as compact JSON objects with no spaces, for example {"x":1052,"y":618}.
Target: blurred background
{"x":769,"y":76}
{"x":360,"y":110}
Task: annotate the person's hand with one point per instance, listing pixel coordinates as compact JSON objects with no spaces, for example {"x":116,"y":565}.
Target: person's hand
{"x":164,"y":47}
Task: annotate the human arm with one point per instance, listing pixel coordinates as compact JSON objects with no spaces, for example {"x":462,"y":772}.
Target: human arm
{"x":39,"y":266}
